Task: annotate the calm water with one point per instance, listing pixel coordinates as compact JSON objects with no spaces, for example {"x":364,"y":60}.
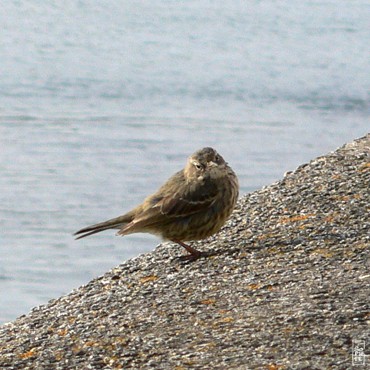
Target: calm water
{"x":99,"y":104}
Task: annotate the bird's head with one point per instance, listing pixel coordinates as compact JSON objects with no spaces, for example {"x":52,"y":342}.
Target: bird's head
{"x":203,"y":163}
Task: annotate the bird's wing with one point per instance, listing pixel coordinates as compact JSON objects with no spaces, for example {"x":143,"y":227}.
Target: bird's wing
{"x":189,"y":199}
{"x":184,"y":205}
{"x":174,"y":199}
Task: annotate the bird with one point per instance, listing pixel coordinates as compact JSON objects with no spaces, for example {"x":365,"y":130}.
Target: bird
{"x":191,"y":205}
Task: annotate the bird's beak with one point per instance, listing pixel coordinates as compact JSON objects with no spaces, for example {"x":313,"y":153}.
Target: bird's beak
{"x":212,"y":164}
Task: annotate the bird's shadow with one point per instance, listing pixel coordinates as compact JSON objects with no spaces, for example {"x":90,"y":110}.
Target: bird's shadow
{"x":189,"y":259}
{"x":284,"y":245}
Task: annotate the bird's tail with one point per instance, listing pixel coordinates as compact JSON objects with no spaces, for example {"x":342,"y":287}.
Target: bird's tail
{"x":114,"y":223}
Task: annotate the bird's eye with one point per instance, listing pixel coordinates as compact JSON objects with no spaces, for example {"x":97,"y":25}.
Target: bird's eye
{"x":198,"y":166}
{"x":217,"y":158}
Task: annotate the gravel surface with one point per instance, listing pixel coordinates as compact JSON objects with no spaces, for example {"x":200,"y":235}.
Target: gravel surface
{"x":285,"y":285}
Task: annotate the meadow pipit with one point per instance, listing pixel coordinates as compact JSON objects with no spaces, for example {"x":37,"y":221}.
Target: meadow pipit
{"x":193,"y":204}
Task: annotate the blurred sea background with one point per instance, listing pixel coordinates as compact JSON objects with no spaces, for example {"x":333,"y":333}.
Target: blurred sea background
{"x":100,"y":102}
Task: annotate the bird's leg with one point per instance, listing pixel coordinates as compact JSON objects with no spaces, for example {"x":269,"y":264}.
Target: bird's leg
{"x":194,"y":254}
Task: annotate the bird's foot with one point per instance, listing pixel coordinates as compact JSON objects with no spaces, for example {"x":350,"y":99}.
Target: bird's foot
{"x":190,"y":257}
{"x":194,"y":254}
